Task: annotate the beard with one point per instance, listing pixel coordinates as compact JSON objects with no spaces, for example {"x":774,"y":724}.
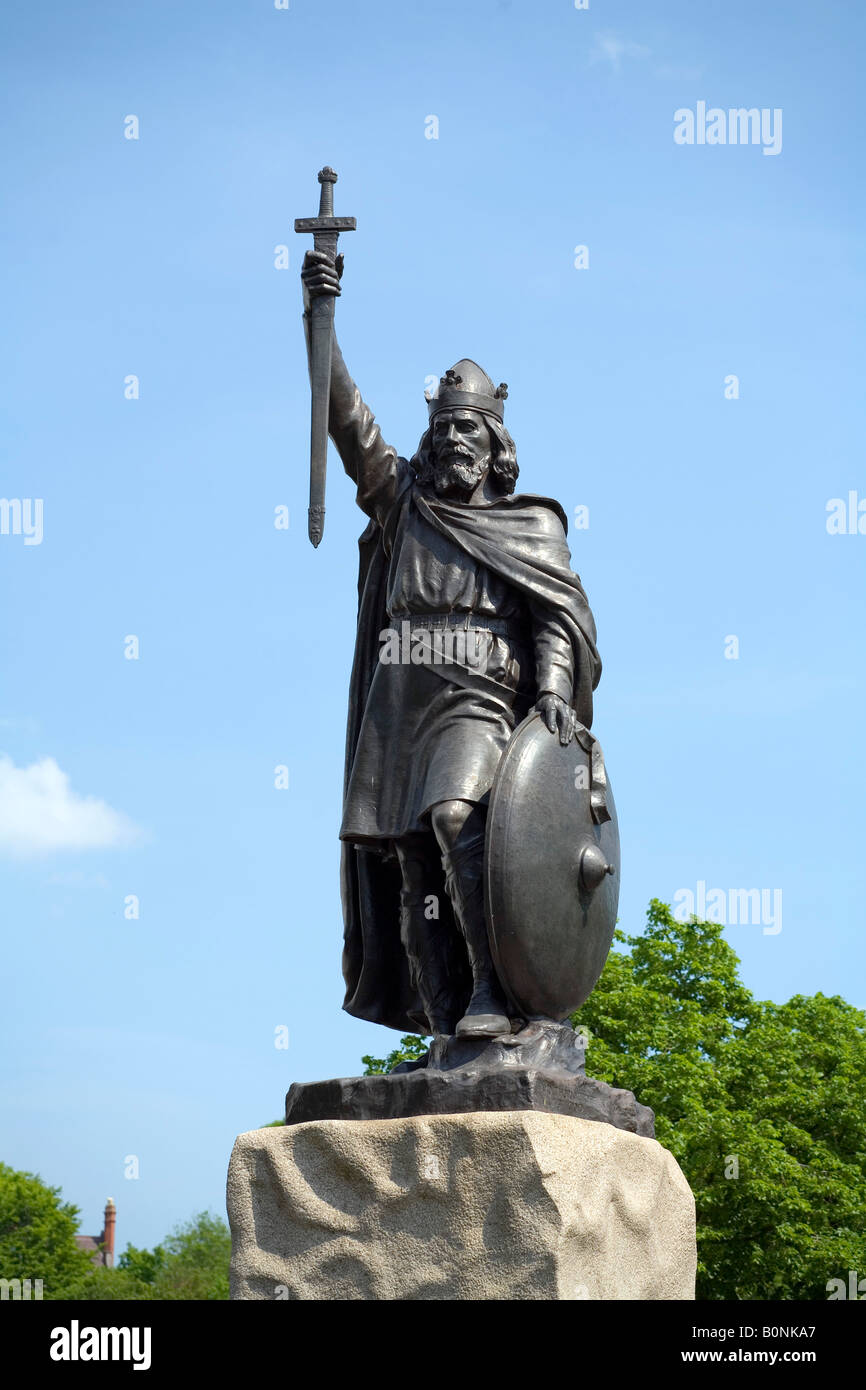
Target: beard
{"x":457,"y":472}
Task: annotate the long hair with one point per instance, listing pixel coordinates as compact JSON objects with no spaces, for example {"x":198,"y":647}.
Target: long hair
{"x":503,"y":455}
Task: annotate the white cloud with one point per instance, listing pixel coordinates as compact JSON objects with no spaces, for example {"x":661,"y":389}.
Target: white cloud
{"x":610,"y":48}
{"x":40,"y":813}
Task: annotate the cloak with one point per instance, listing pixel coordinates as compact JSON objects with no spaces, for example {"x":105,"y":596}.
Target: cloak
{"x":522,"y":540}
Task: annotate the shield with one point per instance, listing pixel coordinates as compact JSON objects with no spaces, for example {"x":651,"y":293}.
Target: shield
{"x":551,"y":869}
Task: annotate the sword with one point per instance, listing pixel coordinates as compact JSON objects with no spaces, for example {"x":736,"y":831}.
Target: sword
{"x":325,"y":228}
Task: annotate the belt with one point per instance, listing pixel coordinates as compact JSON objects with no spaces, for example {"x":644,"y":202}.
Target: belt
{"x":464,"y":621}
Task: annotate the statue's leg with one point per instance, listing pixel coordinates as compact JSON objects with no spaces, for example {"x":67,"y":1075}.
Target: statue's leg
{"x":422,"y":937}
{"x":459,"y":830}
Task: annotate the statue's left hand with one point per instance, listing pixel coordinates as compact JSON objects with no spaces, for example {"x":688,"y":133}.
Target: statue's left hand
{"x":558,"y":716}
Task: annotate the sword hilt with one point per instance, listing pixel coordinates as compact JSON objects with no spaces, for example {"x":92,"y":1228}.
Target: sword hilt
{"x":327,"y":178}
{"x":326,"y":227}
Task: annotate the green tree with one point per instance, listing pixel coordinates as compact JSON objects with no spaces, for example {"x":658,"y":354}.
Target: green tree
{"x":101,"y":1285}
{"x":763,"y":1105}
{"x":142,"y":1265}
{"x":410,"y":1048}
{"x":37,"y":1241}
{"x":37,"y":1234}
{"x":195,"y":1261}
{"x":191,"y":1264}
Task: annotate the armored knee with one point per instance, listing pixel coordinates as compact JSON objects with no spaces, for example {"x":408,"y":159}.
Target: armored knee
{"x":448,"y":819}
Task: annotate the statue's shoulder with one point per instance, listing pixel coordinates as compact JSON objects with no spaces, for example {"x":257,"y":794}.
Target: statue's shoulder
{"x":406,"y":477}
{"x":547,"y":514}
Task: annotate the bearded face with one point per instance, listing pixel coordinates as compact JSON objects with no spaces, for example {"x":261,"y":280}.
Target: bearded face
{"x":460,"y":450}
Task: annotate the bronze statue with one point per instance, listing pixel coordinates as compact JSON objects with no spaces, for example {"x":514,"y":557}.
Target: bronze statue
{"x":471,"y":626}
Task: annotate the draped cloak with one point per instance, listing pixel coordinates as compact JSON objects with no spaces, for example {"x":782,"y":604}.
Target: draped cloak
{"x":520,"y":539}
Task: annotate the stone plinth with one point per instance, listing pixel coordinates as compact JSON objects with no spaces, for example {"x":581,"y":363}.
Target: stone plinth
{"x":478,"y":1206}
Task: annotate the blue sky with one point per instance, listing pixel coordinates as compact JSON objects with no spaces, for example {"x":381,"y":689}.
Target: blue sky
{"x":156,"y":258}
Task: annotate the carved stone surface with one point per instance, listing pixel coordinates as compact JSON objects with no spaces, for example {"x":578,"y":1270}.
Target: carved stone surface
{"x":478,"y":1207}
{"x":539,"y":1068}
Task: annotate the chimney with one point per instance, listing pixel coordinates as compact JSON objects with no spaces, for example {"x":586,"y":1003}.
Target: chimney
{"x":108,"y":1233}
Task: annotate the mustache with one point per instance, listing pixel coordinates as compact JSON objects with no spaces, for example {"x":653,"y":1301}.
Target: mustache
{"x":448,"y":451}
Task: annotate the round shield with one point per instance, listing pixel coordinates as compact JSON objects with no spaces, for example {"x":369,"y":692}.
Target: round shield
{"x":551,"y":869}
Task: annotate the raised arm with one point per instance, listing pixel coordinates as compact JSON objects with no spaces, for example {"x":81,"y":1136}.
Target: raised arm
{"x":372,"y":464}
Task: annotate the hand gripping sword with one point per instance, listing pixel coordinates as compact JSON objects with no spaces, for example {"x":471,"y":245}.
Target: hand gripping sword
{"x":325,"y":228}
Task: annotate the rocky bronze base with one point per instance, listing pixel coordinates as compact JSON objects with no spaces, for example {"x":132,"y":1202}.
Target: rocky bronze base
{"x":540,"y":1068}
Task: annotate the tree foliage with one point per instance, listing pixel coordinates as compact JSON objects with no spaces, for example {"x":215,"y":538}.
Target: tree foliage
{"x":37,"y":1241}
{"x":191,"y":1264}
{"x":37,"y":1234}
{"x":194,"y":1261}
{"x":101,"y":1285}
{"x":763,"y":1105}
{"x":411,"y":1047}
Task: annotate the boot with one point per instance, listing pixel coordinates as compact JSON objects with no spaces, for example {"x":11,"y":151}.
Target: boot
{"x":428,"y":968}
{"x":486,"y":1014}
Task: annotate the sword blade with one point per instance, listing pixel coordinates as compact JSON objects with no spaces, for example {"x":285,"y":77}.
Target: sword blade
{"x":321,"y":338}
{"x":321,"y":330}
